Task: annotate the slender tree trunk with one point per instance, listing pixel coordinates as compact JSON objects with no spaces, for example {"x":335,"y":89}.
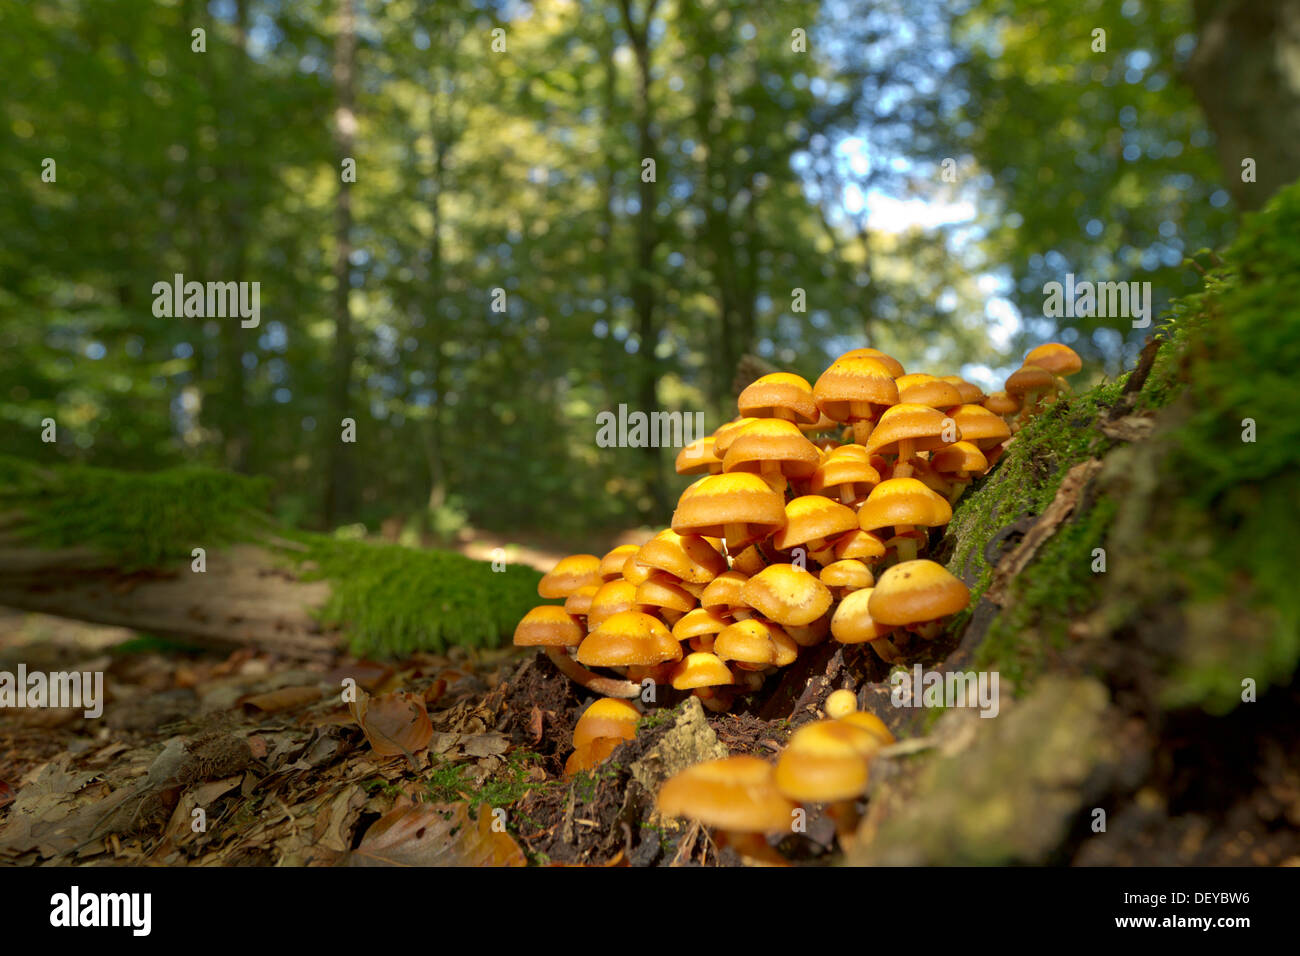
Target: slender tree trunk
{"x":643,"y":284}
{"x":340,"y":494}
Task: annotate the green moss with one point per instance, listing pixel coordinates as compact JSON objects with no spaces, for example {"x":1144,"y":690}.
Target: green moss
{"x":393,"y":600}
{"x":1241,"y":355}
{"x":1028,"y":476}
{"x":1051,"y":592}
{"x":139,"y":520}
{"x":452,"y":782}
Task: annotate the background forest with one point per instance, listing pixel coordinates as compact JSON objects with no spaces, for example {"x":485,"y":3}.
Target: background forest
{"x":501,"y":270}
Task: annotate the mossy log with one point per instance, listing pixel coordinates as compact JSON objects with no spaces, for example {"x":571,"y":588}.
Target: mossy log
{"x":118,"y":548}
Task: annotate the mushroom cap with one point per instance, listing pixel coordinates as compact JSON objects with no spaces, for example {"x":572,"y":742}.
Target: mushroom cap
{"x":923,"y":424}
{"x":612,"y":598}
{"x":853,"y":623}
{"x":579,"y":602}
{"x":849,"y":573}
{"x":963,"y":457}
{"x":663,"y":590}
{"x":823,"y":761}
{"x":711,"y":504}
{"x":1029,"y":378}
{"x":871,"y":724}
{"x":903,"y":501}
{"x":847,"y":464}
{"x":1057,"y":358}
{"x":697,"y":457}
{"x":724,"y":592}
{"x":779,"y":391}
{"x":701,"y":669}
{"x":1000,"y":403}
{"x":626,"y":639}
{"x":611,"y":565}
{"x":980,"y":425}
{"x":591,"y":756}
{"x":922,"y":389}
{"x":688,"y":557}
{"x":755,"y":642}
{"x":811,"y":517}
{"x":787,"y":595}
{"x":894,"y":366}
{"x":912,"y":592}
{"x":548,"y":626}
{"x":726,"y":433}
{"x":772,"y":440}
{"x":634,"y":572}
{"x":569,"y":574}
{"x":862,"y":545}
{"x":855,"y":382}
{"x":606,"y":717}
{"x":969,"y":391}
{"x":840,"y":703}
{"x":698,"y":623}
{"x":735,"y":793}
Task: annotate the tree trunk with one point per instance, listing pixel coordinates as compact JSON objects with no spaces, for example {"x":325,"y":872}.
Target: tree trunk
{"x":1246,"y":74}
{"x":340,"y":493}
{"x":643,"y":286}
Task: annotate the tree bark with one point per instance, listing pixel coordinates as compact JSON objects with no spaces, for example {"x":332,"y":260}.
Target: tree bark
{"x":247,"y":597}
{"x":340,"y":492}
{"x":1246,"y":74}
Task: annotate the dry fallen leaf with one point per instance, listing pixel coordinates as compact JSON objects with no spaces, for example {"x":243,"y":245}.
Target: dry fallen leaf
{"x":395,"y":723}
{"x":286,"y":698}
{"x":436,"y":835}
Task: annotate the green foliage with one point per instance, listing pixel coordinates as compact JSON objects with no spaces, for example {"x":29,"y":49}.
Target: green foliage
{"x":1101,"y":160}
{"x":393,"y":600}
{"x":140,"y":520}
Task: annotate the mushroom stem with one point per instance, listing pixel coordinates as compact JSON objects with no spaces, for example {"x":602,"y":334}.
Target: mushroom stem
{"x":862,"y":431}
{"x":605,"y":686}
{"x":906,"y":452}
{"x":846,"y":493}
{"x":885,"y":649}
{"x":907,"y":546}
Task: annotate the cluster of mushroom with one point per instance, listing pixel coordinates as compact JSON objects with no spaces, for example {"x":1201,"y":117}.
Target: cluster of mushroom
{"x":1037,"y":383}
{"x":802,"y":501}
{"x":745,"y":798}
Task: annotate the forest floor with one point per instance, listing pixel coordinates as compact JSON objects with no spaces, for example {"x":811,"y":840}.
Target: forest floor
{"x":206,"y":759}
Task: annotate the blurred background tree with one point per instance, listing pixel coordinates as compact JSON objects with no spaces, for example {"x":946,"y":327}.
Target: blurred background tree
{"x":504,"y":265}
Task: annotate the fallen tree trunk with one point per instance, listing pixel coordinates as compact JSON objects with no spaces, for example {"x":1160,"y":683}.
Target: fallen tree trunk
{"x":247,"y":596}
{"x":117,"y":548}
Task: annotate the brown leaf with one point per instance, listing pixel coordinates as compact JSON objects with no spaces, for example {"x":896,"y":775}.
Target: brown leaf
{"x":286,"y":698}
{"x":395,"y":723}
{"x":535,"y":724}
{"x":436,"y":835}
